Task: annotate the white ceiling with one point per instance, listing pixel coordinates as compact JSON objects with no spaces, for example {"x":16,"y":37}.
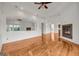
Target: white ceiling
{"x":29,"y":10}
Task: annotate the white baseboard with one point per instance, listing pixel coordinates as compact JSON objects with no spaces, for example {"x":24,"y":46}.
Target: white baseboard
{"x":71,"y":40}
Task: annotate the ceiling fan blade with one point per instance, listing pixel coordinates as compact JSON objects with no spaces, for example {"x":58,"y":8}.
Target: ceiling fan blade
{"x":40,"y":6}
{"x":45,"y":6}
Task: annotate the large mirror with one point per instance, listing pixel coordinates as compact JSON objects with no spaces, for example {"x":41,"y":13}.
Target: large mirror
{"x":20,"y":25}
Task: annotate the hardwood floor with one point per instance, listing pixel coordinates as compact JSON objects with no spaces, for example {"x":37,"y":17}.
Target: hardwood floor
{"x":38,"y":47}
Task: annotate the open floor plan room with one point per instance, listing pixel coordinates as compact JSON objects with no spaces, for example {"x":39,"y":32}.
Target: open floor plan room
{"x":39,"y":29}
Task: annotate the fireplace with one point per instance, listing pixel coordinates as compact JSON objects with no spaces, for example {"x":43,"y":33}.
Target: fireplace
{"x":67,"y":31}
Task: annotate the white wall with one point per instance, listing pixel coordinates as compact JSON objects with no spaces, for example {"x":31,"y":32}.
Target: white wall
{"x":69,"y":16}
{"x":0,"y":43}
{"x":0,"y":31}
{"x":0,"y":34}
{"x":11,"y":11}
{"x":2,"y":27}
{"x":23,"y":24}
{"x":21,"y":35}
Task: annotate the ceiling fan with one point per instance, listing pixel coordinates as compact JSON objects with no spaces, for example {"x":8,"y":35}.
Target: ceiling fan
{"x":42,"y":4}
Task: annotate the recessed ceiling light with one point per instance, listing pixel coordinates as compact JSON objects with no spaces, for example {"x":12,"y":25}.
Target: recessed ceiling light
{"x":20,"y":13}
{"x":18,"y":7}
{"x":34,"y":17}
{"x":21,"y":8}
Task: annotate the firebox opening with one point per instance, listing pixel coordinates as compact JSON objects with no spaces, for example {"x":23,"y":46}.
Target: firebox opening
{"x":67,"y":31}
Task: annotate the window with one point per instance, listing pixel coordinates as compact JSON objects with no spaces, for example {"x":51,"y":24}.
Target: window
{"x":13,"y":28}
{"x":16,"y":28}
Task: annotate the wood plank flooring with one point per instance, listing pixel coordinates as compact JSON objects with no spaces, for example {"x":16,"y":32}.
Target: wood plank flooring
{"x":36,"y":47}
